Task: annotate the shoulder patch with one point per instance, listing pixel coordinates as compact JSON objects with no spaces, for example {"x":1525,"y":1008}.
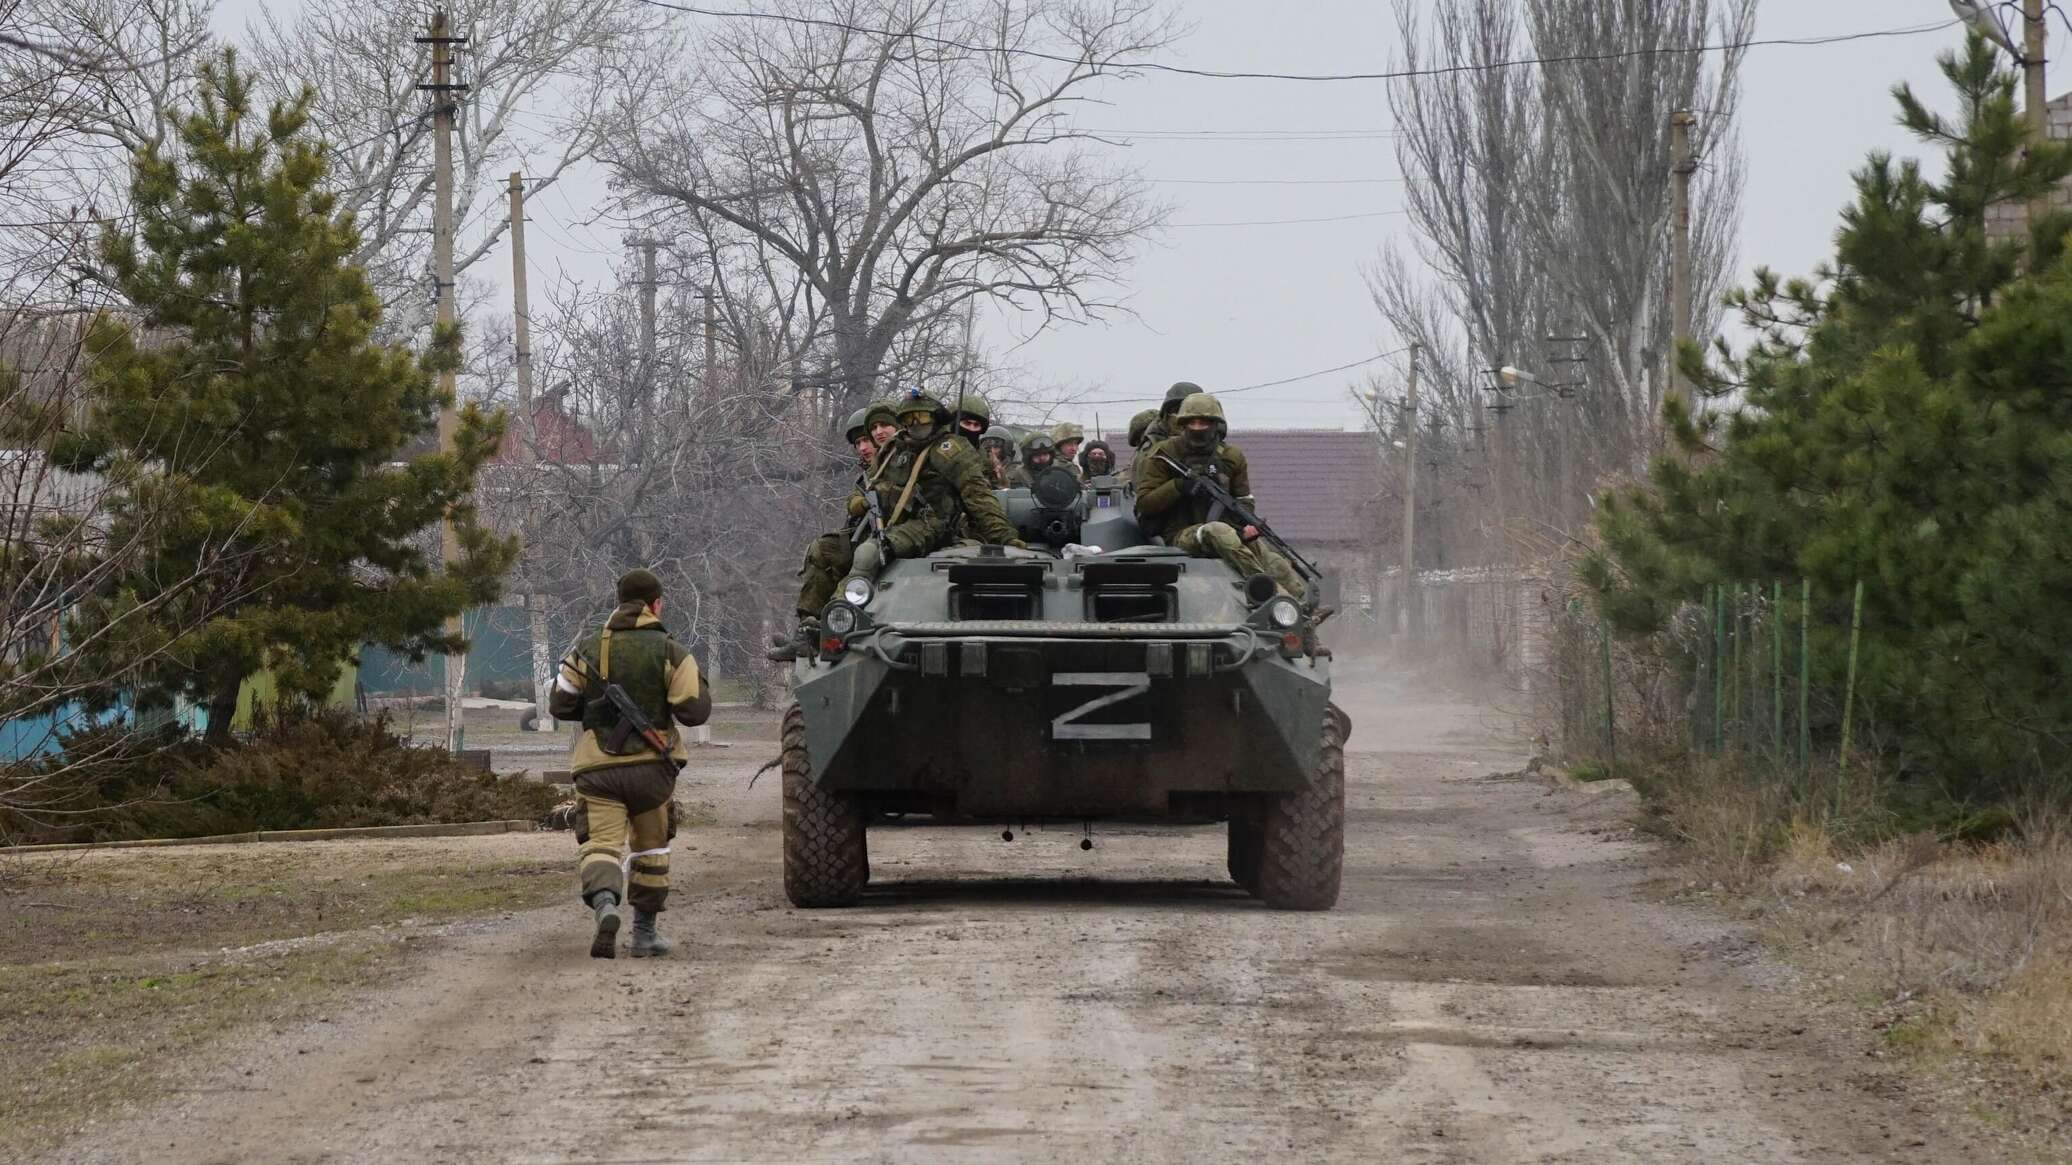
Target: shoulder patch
{"x":949,"y":445}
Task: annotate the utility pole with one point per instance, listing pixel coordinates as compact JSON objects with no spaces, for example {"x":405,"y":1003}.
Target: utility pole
{"x":1405,"y":620}
{"x":528,"y":455}
{"x":2035,"y":95}
{"x":647,"y":317}
{"x":445,"y":93}
{"x":711,"y":344}
{"x":1681,"y":169}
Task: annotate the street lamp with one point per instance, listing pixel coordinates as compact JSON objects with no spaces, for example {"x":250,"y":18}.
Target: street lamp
{"x":1981,"y":19}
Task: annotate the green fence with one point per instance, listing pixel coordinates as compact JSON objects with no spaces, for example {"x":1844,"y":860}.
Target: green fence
{"x":1767,"y":669}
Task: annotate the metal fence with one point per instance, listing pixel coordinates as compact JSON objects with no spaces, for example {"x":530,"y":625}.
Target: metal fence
{"x":1767,"y":669}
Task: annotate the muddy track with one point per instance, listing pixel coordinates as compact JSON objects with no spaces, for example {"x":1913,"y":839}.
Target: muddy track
{"x":1492,"y":987}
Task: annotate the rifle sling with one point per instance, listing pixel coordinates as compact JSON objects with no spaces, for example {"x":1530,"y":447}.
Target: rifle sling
{"x":907,"y":494}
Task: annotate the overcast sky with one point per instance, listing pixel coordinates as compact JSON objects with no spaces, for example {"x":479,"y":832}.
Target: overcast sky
{"x":1238,"y":305}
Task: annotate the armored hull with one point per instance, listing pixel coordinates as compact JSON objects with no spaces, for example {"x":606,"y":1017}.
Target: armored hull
{"x":1067,"y":682}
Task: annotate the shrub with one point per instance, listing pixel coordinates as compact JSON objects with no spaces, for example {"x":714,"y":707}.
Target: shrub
{"x":302,"y":769}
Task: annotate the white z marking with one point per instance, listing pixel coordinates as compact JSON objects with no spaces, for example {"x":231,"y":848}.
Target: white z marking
{"x":1127,"y":684}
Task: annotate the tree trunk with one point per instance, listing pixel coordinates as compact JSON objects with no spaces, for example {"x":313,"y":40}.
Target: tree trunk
{"x":222,"y":710}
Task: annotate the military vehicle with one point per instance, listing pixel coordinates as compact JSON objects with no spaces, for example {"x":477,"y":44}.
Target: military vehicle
{"x":1090,"y":678}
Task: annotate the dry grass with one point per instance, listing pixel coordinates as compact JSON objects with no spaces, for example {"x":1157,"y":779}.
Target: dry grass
{"x":116,"y":965}
{"x":1960,"y":951}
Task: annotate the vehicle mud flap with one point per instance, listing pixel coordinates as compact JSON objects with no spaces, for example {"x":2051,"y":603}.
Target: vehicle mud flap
{"x":838,"y":697}
{"x":1246,"y":844}
{"x":826,"y":856}
{"x":1302,"y":852}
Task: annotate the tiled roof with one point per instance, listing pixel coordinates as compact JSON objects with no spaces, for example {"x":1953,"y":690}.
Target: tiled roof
{"x":1315,"y":485}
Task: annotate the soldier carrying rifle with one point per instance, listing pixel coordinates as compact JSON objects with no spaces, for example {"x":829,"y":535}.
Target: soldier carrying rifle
{"x":1194,"y":488}
{"x":626,"y":683}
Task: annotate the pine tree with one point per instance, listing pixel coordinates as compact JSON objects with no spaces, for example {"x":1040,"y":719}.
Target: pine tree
{"x":1902,"y":421}
{"x":253,"y":428}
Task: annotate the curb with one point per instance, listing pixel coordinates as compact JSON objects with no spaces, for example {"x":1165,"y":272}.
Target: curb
{"x":458,"y":829}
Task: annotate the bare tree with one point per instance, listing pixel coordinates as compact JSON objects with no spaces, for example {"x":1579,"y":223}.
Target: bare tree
{"x":901,"y":157}
{"x":1540,"y":196}
{"x":539,"y":73}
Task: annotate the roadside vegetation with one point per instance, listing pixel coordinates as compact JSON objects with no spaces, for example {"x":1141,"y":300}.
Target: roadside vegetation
{"x":298,"y":769}
{"x":119,"y":968}
{"x":1875,"y":495}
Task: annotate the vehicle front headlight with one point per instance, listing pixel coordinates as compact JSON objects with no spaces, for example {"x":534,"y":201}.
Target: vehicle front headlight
{"x":857,"y":590}
{"x":1284,"y":613}
{"x":839,"y":618}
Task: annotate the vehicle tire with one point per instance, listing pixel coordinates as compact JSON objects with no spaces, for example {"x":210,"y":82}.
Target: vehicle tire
{"x":1246,"y":844}
{"x":1302,"y":857}
{"x":826,"y":861}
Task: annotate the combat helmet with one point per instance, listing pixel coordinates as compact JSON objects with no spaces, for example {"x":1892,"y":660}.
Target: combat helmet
{"x":1201,"y":404}
{"x":1038,"y":442}
{"x":1065,"y":431}
{"x":916,"y":399}
{"x":1178,"y":393}
{"x":881,"y":408}
{"x":996,"y":433}
{"x":859,"y":424}
{"x":1139,"y":424}
{"x":973,"y":405}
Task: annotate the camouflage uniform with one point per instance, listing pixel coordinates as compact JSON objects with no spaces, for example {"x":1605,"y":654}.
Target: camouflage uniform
{"x":827,"y":557}
{"x":1165,"y":506}
{"x":1024,"y":473}
{"x":997,"y":475}
{"x":625,"y":797}
{"x":1063,"y":432}
{"x":929,"y":493}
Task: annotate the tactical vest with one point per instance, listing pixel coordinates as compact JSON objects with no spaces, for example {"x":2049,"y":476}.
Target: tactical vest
{"x":636,"y":659}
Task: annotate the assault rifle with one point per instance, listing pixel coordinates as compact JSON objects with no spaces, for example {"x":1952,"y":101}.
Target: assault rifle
{"x":873,"y":524}
{"x":1222,"y":502}
{"x":632,"y":721}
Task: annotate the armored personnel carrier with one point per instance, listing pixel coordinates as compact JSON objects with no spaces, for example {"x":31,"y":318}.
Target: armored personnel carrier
{"x":1089,"y":678}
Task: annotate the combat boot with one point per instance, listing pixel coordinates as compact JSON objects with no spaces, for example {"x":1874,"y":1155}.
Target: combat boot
{"x":605,"y":944}
{"x":646,"y":943}
{"x":806,"y":643}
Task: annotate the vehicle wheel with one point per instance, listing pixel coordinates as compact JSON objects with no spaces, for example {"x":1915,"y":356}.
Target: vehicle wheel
{"x":1246,"y":843}
{"x":1303,"y":852}
{"x":826,"y":861}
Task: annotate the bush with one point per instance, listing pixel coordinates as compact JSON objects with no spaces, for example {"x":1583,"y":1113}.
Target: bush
{"x":301,"y":770}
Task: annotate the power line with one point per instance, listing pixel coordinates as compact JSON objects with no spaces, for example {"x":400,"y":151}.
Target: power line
{"x":1273,"y":181}
{"x":1282,"y":222}
{"x":1223,"y":392}
{"x":1251,"y":75}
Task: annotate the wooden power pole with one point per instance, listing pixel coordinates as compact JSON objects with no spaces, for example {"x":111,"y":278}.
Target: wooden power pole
{"x":1405,"y":618}
{"x":528,"y":455}
{"x":445,"y":93}
{"x":2035,"y":94}
{"x":1681,"y":169}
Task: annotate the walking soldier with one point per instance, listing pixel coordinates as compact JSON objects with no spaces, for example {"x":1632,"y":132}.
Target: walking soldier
{"x":626,"y":684}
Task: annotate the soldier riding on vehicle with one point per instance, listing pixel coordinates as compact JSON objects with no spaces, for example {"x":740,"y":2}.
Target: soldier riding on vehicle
{"x":998,"y":447}
{"x":1173,"y":502}
{"x":925,"y":487}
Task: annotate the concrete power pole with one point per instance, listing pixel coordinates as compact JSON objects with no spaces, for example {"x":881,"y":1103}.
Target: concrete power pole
{"x":445,"y":93}
{"x":1681,"y":168}
{"x":528,"y":455}
{"x":1405,"y":619}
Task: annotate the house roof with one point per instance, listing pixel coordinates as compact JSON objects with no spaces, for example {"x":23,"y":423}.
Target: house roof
{"x":1316,"y":486}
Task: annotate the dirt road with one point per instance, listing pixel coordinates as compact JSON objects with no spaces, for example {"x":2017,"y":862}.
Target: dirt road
{"x":1492,"y":988}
